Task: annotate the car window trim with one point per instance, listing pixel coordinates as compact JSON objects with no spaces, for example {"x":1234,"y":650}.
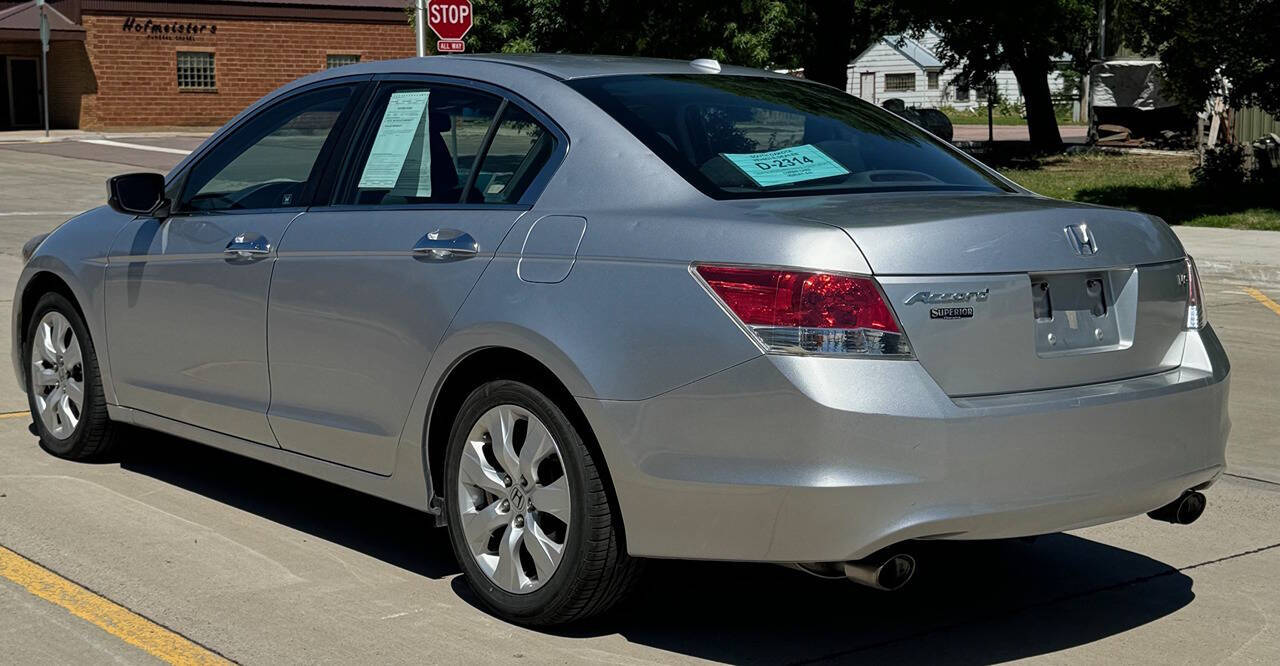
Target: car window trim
{"x":321,"y":191}
{"x":177,"y":185}
{"x":419,"y":206}
{"x":527,"y":199}
{"x":485,"y":143}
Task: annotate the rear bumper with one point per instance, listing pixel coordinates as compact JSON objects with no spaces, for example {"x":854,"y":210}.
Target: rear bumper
{"x":790,"y":459}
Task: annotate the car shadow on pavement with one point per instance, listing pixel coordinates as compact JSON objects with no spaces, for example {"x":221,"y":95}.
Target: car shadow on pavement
{"x":395,"y":534}
{"x":971,"y":602}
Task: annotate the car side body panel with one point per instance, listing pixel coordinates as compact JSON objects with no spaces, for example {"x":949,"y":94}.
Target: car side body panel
{"x":75,"y":252}
{"x":187,"y":323}
{"x":342,"y":379}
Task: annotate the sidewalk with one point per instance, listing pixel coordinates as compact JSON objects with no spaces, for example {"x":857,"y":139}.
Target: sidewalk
{"x":1234,"y":255}
{"x":37,"y":136}
{"x":1070,"y":133}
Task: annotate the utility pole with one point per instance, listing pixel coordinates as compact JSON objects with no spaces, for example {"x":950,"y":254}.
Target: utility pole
{"x":44,"y":64}
{"x":420,"y":25}
{"x":991,"y":106}
{"x":1086,"y":95}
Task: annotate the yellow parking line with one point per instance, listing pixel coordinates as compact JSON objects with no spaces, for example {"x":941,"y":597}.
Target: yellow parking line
{"x":111,"y":617}
{"x":1262,"y":298}
{"x":15,"y":415}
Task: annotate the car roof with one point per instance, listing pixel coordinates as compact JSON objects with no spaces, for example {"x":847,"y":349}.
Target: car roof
{"x":555,"y":65}
{"x":569,"y":66}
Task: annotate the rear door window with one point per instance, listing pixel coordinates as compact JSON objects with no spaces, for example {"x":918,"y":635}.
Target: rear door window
{"x":519,"y":151}
{"x":419,"y":145}
{"x":438,"y":144}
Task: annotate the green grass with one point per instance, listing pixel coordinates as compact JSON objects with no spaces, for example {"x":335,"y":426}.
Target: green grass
{"x":1000,"y":116}
{"x":1156,"y":184}
{"x":979,"y":117}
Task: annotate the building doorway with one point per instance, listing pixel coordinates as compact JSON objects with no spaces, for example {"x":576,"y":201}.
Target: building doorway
{"x":22,"y":89}
{"x":867,"y":87}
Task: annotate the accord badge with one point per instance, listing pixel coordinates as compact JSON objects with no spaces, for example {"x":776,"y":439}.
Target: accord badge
{"x":948,"y":296}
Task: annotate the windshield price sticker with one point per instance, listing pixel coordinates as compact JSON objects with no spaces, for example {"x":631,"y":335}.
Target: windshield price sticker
{"x":786,"y":166}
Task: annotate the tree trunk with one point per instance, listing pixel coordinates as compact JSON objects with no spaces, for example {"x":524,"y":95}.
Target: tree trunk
{"x":1042,"y":123}
{"x":827,"y":59}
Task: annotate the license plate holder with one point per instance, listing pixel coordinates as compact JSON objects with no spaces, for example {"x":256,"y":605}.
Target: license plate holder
{"x":1076,"y":313}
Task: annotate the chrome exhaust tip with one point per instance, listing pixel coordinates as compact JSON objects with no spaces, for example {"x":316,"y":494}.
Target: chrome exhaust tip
{"x":882,"y":573}
{"x":1182,"y":511}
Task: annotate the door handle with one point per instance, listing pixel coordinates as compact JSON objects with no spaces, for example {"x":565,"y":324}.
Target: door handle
{"x":446,"y":244}
{"x":248,"y":246}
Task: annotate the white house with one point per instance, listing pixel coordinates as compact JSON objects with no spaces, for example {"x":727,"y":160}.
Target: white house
{"x":908,"y":69}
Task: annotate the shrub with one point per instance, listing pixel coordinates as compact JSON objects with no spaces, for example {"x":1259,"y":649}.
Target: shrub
{"x":1220,"y":167}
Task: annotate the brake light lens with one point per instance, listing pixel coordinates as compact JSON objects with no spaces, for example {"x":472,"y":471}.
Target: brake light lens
{"x":800,"y":312}
{"x":1196,"y":316}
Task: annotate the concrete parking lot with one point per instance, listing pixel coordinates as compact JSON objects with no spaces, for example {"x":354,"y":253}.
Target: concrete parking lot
{"x":179,"y":552}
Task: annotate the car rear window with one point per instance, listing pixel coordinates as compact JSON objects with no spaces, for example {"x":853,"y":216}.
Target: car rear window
{"x":750,"y":137}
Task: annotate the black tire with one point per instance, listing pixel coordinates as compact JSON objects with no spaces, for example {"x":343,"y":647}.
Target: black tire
{"x":595,"y":572}
{"x":95,"y":436}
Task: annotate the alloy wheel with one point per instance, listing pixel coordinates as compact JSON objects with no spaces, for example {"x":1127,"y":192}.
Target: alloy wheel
{"x":514,"y":500}
{"x":57,"y":375}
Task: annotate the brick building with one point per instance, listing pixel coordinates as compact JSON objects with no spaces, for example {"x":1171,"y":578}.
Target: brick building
{"x":117,"y":64}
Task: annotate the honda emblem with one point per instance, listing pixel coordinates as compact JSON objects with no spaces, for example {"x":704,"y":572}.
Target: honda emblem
{"x":1081,"y":240}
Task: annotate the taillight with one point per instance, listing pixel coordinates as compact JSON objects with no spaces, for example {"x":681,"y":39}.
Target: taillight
{"x":1196,"y":316}
{"x":801,"y":312}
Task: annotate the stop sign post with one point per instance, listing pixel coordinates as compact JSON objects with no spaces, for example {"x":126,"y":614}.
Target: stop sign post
{"x":450,"y":20}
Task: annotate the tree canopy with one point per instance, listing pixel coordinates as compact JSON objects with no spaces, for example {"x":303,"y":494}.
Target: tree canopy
{"x":1203,"y":44}
{"x":744,"y":32}
{"x":1026,"y":37}
{"x":821,"y":36}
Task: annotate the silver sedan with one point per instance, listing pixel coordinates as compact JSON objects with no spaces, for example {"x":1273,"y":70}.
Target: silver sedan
{"x":589,"y":311}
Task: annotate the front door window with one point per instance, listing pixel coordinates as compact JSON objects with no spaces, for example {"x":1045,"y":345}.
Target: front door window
{"x":269,"y":161}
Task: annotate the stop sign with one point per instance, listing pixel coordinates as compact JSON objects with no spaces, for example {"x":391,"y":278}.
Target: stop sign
{"x":449,"y":19}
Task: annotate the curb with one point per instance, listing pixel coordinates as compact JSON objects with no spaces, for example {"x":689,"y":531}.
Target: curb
{"x":100,"y":135}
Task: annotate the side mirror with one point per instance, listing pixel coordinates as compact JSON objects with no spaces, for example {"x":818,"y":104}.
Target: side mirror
{"x":137,"y":194}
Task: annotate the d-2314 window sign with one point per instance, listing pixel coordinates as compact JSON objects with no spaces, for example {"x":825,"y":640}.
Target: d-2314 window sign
{"x":184,"y":31}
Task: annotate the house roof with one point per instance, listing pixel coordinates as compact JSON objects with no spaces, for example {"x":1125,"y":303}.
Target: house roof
{"x":913,"y":51}
{"x":22,"y":22}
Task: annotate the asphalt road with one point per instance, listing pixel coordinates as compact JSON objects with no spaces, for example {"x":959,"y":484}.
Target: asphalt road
{"x":226,"y":557}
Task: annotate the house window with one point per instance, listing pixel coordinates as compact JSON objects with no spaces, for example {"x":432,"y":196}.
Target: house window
{"x":963,"y":94}
{"x":933,"y":80}
{"x":195,"y":71}
{"x":899,"y":82}
{"x":340,"y":59}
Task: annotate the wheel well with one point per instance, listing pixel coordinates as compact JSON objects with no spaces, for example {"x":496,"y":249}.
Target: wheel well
{"x":486,"y":365}
{"x":39,"y":285}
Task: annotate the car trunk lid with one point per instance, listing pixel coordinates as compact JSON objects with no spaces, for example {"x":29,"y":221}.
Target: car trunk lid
{"x":1003,"y":293}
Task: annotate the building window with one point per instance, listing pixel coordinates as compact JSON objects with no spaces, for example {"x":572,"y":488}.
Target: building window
{"x":195,"y":71}
{"x":933,"y":80}
{"x":963,"y":93}
{"x":899,"y":82}
{"x":340,"y":59}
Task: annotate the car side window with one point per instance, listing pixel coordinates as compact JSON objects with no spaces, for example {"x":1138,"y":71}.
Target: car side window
{"x":268,"y":161}
{"x":420,"y":145}
{"x":520,"y":149}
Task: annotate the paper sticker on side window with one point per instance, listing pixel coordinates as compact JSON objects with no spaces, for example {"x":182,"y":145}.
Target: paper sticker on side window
{"x":404,"y":120}
{"x":786,"y":166}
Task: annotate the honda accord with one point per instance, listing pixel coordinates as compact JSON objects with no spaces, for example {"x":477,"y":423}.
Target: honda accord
{"x":588,"y":311}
